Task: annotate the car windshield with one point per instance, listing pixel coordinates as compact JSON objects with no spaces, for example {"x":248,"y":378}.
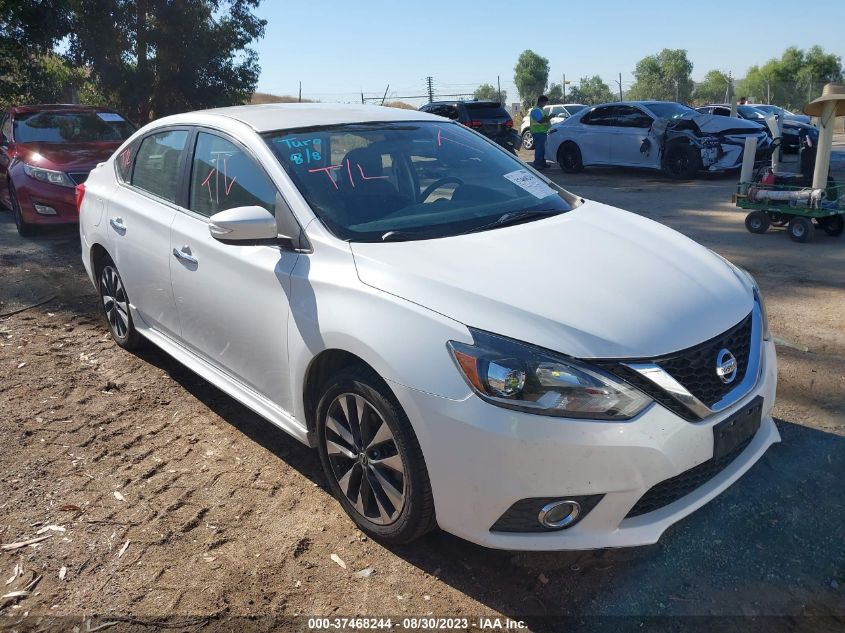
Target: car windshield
{"x":70,"y":127}
{"x":669,"y":109}
{"x":486,"y":111}
{"x":411,"y":180}
{"x":752,"y":113}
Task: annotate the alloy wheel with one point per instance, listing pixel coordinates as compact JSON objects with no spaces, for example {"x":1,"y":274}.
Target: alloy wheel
{"x":115,"y":302}
{"x":365,"y":458}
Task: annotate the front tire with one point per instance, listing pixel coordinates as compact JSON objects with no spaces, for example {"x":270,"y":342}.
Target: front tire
{"x":682,"y":162}
{"x":832,"y":225}
{"x":115,"y":305}
{"x":757,"y":222}
{"x":569,"y":158}
{"x":25,"y":229}
{"x":371,"y":458}
{"x":527,"y":140}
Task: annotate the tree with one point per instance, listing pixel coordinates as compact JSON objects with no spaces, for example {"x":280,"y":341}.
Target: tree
{"x":488,"y":92}
{"x":531,"y":74}
{"x":555,"y":93}
{"x":663,"y":76}
{"x":712,"y":89}
{"x":794,"y":79}
{"x":160,"y":57}
{"x":592,"y":90}
{"x":29,"y":29}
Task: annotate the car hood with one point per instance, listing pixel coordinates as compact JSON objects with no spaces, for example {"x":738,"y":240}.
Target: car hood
{"x":66,"y":156}
{"x":714,"y":124}
{"x":596,"y":282}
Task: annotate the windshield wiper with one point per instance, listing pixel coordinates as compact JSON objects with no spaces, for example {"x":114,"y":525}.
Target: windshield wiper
{"x":401,"y":236}
{"x":514,"y":217}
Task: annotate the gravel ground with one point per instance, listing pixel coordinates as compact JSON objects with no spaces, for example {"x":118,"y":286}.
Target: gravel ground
{"x":162,"y":497}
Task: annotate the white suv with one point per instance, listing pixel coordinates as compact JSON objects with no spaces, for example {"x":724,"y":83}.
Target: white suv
{"x":558,"y":113}
{"x":385,"y":286}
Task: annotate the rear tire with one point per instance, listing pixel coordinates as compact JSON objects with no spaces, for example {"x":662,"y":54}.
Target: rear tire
{"x":114,"y":302}
{"x":25,"y":229}
{"x":682,"y":162}
{"x":801,"y":229}
{"x":527,"y":140}
{"x":832,"y":225}
{"x":757,"y":222}
{"x":371,"y":458}
{"x":569,"y":158}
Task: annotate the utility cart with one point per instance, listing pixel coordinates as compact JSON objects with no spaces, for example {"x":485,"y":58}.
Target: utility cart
{"x":800,"y":209}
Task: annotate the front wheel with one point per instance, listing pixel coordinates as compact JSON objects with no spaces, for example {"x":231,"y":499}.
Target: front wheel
{"x":757,"y":222}
{"x":682,"y":162}
{"x":569,"y":158}
{"x":25,"y":229}
{"x":527,"y":140}
{"x":372,"y":459}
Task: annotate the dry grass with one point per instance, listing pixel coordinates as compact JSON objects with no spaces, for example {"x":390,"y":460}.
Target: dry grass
{"x":266,"y":97}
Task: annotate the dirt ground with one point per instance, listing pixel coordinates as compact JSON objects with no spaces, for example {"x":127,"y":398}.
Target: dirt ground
{"x":161,"y":497}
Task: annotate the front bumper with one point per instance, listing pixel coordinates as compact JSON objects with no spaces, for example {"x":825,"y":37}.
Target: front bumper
{"x":481,"y":459}
{"x":61,"y":199}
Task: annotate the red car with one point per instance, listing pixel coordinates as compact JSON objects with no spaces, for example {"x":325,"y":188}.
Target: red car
{"x":45,"y":151}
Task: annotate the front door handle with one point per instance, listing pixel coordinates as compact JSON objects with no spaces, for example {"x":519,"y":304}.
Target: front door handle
{"x":117,"y":224}
{"x":185,"y":254}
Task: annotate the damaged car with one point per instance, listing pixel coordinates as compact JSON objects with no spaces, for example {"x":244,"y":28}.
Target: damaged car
{"x":655,"y":134}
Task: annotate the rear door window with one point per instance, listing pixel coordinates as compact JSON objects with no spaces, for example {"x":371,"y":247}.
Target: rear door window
{"x":629,"y":116}
{"x":224,"y":176}
{"x":157,"y":164}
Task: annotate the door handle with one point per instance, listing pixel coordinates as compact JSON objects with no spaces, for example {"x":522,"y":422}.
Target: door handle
{"x":185,"y":255}
{"x":117,"y":224}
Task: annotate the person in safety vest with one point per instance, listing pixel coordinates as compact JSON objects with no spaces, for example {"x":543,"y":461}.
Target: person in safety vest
{"x":539,"y":122}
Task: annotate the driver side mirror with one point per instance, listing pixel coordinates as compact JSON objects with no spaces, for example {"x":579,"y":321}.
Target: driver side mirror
{"x":244,"y":224}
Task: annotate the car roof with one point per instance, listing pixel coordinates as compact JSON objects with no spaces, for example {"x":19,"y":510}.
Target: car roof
{"x":58,"y":107}
{"x":267,"y":117}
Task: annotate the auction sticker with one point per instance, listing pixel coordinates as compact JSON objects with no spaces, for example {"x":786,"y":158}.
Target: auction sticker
{"x":528,"y":181}
{"x":110,"y":116}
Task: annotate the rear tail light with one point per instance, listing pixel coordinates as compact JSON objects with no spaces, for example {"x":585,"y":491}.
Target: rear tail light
{"x":474,"y":124}
{"x":509,"y":123}
{"x":80,"y":193}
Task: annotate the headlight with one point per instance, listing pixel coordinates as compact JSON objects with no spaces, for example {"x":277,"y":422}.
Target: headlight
{"x":515,"y":375}
{"x":48,"y":175}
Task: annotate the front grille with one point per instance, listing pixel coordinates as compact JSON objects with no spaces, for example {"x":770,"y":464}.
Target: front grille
{"x":695,"y":368}
{"x":671,"y":490}
{"x":78,"y":177}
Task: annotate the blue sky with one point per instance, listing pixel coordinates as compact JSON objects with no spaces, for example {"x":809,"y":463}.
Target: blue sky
{"x":339,"y":48}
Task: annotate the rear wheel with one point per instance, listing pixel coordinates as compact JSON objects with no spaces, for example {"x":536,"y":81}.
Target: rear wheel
{"x":757,"y":222}
{"x":569,"y":158}
{"x":527,"y":140}
{"x":682,"y":161}
{"x":115,"y":305}
{"x":25,"y":229}
{"x":372,"y":459}
{"x":801,"y":229}
{"x":832,"y":225}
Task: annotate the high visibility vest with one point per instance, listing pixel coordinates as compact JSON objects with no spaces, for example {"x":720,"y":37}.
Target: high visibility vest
{"x":537,"y":128}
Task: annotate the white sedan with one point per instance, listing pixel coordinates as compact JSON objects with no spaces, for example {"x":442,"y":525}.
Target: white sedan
{"x":654,"y":134}
{"x":374,"y":282}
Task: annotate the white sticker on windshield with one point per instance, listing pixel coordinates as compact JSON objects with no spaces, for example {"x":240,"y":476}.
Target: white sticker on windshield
{"x":528,"y":181}
{"x":110,"y":116}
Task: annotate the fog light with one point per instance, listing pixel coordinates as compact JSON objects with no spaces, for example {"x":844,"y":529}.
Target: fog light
{"x":43,"y":209}
{"x":559,"y":514}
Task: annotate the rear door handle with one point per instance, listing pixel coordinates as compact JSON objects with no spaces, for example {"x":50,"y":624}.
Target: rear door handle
{"x":117,"y":224}
{"x":185,"y":254}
